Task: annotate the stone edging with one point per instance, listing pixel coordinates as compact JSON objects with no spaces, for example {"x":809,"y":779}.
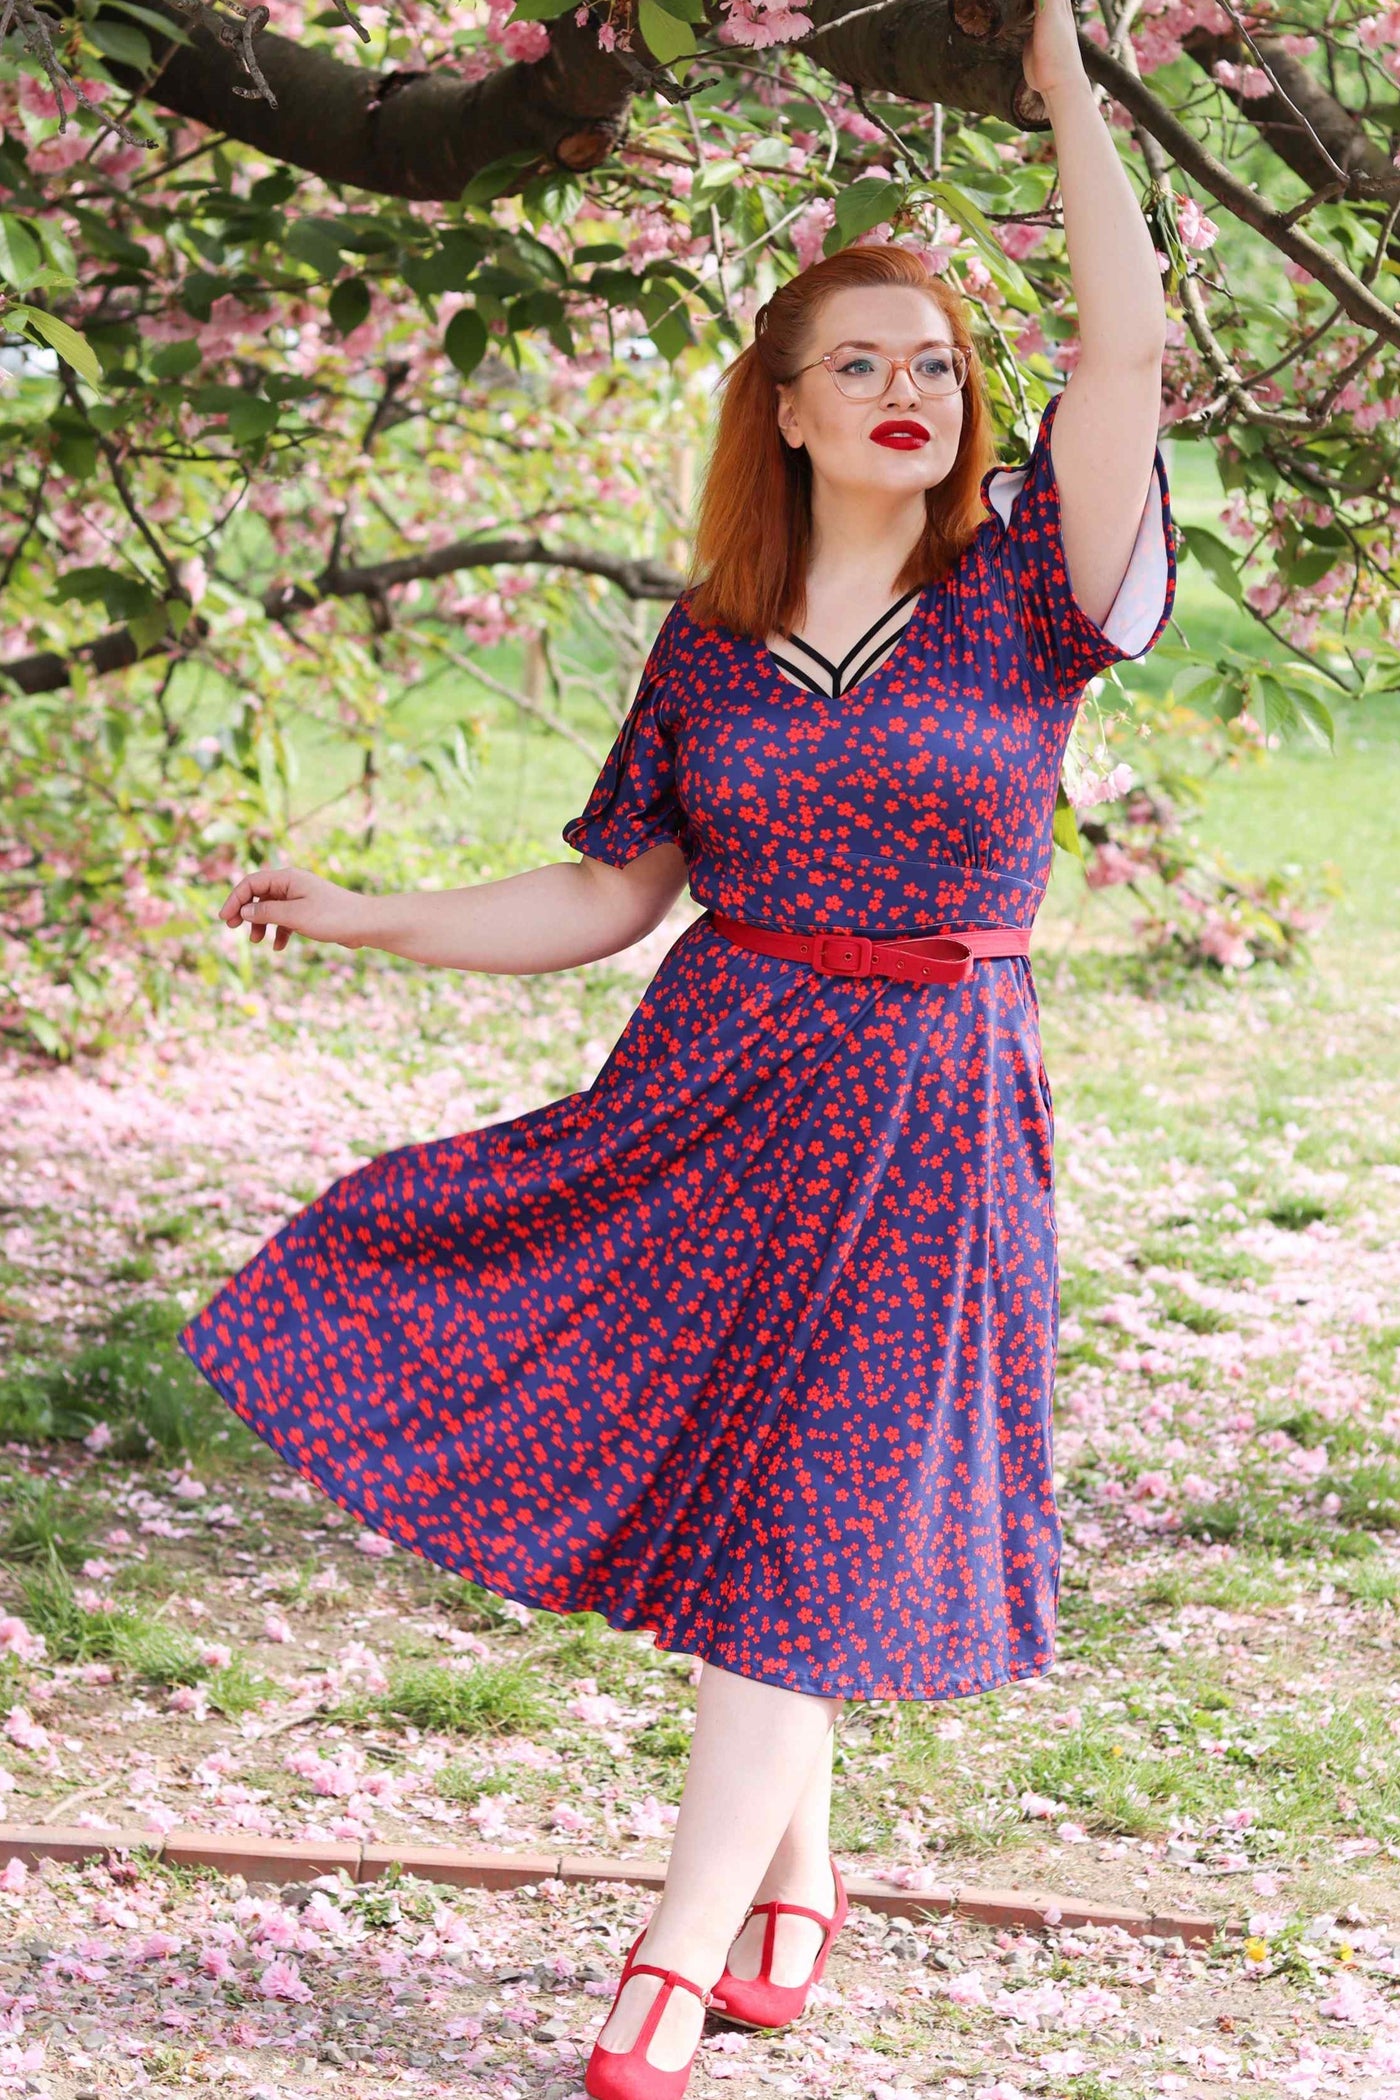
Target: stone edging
{"x":294,"y":1859}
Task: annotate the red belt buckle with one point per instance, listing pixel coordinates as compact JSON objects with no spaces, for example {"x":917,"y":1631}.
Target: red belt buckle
{"x":857,"y":947}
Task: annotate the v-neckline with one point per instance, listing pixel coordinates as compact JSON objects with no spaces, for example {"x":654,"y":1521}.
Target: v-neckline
{"x":804,"y":681}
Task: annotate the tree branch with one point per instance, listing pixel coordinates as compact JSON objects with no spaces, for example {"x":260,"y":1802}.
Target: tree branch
{"x":48,"y":672}
{"x":1298,"y":120}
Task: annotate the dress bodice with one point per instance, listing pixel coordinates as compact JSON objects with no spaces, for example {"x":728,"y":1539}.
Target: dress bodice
{"x":922,"y":797}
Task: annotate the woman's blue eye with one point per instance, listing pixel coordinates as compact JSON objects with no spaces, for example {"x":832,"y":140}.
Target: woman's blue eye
{"x":936,"y":367}
{"x":848,"y":364}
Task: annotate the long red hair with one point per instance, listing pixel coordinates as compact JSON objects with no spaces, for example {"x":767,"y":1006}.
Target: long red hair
{"x":748,"y":569}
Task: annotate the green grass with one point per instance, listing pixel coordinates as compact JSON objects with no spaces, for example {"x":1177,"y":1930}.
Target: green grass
{"x":456,"y":1783}
{"x":1261,"y":1524}
{"x":490,"y":1699}
{"x":135,"y":1640}
{"x":134,"y":1378}
{"x":1370,"y":1495}
{"x":42,"y":1518}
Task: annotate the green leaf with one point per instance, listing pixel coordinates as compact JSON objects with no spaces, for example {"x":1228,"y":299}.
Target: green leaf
{"x":146,"y":628}
{"x":74,"y":349}
{"x":21,"y":257}
{"x":539,"y":10}
{"x":217,"y":400}
{"x":1216,"y":559}
{"x":271,"y":190}
{"x":1288,"y":706}
{"x":173,"y":360}
{"x":865,"y":204}
{"x":447,"y":269}
{"x":310,"y":242}
{"x":251,"y":419}
{"x":498,"y":176}
{"x":1064,"y":827}
{"x":349,"y":304}
{"x":663,"y":35}
{"x":963,"y":212}
{"x":363,"y":235}
{"x":465,"y":340}
{"x":169,"y":31}
{"x":125,"y":597}
{"x":1308,"y":565}
{"x":121,"y":43}
{"x":668,"y":323}
{"x":75,"y":453}
{"x":684,"y":10}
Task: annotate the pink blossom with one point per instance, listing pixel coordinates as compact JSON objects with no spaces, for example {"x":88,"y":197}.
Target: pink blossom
{"x":275,"y":1627}
{"x":809,"y":230}
{"x":1020,"y":241}
{"x":374,"y":1545}
{"x":1351,"y":2001}
{"x":525,"y":42}
{"x":1196,"y":230}
{"x":282,"y":1979}
{"x":159,"y":1946}
{"x":756,"y":23}
{"x":1248,"y":82}
{"x":16,"y":1639}
{"x":1109,"y":864}
{"x":22,"y":1728}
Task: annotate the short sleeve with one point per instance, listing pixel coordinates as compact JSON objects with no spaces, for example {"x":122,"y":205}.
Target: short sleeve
{"x":634,"y":804}
{"x":1064,"y":647}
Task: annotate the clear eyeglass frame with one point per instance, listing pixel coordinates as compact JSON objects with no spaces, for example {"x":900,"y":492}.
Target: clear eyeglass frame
{"x":869,"y":386}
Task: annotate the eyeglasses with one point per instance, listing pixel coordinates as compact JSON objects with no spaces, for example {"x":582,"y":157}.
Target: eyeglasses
{"x":864,"y":375}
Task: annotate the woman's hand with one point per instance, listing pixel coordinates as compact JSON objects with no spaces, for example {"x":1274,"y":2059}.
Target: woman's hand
{"x":293,"y":901}
{"x":1051,"y":59}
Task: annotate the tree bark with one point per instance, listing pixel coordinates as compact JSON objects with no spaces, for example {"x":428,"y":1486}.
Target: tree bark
{"x":425,"y":135}
{"x":49,"y":672}
{"x":417,"y":135}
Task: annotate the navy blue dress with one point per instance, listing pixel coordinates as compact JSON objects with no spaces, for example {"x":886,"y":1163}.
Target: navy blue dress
{"x":751,"y":1343}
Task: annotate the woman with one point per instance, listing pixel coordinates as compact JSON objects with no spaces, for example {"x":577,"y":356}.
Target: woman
{"x":752,"y":1342}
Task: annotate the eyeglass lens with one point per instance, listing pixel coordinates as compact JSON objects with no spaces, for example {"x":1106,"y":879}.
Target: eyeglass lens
{"x":865,"y":374}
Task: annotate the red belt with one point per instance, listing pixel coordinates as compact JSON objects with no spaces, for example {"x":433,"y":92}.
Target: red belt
{"x":937,"y":958}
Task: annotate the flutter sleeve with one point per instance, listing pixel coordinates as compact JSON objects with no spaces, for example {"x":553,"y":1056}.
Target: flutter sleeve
{"x":634,"y":804}
{"x":1062,"y":645}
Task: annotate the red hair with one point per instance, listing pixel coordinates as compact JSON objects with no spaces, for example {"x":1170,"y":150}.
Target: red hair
{"x":754,"y":525}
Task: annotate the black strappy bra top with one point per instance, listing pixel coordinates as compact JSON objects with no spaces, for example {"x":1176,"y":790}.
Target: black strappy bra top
{"x":867,"y":654}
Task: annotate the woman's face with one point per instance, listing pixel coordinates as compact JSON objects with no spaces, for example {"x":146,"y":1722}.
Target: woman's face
{"x":839,"y":432}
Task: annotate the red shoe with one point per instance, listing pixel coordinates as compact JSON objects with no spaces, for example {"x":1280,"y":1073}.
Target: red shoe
{"x":625,"y":2074}
{"x":756,"y":2001}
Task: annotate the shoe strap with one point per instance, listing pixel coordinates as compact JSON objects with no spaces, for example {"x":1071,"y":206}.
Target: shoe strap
{"x":671,"y":1979}
{"x":796,"y":1910}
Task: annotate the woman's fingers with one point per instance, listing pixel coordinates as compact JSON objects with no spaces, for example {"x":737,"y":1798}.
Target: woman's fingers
{"x":267,"y":897}
{"x":262,"y":882}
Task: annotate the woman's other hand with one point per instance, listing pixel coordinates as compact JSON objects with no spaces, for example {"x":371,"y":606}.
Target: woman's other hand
{"x":293,"y":901}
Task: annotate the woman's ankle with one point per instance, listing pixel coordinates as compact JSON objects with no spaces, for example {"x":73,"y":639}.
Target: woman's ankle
{"x":799,"y":1876}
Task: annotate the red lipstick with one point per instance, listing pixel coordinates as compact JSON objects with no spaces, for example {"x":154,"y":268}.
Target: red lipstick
{"x":902,"y":434}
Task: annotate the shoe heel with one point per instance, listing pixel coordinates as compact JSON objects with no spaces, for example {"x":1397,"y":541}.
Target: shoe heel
{"x":756,"y":2002}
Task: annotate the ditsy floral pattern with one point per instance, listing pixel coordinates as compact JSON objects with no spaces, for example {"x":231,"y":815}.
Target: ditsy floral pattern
{"x":750,"y":1343}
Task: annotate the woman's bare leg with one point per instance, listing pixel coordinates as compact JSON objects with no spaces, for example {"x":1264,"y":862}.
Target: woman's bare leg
{"x":754,"y":1748}
{"x":799,"y":1872}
